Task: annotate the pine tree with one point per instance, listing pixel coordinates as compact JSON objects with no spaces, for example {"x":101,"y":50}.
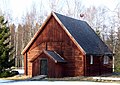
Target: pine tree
{"x":6,"y":61}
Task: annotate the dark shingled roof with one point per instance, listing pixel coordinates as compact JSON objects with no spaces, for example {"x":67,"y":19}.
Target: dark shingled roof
{"x":84,"y":35}
{"x":55,"y":56}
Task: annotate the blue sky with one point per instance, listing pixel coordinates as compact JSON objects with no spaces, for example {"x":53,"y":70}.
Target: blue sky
{"x":18,"y":8}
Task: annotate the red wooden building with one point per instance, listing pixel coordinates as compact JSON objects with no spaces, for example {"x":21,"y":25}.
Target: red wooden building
{"x":64,"y":46}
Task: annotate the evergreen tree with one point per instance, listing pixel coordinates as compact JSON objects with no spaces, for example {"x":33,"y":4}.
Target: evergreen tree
{"x":6,"y":61}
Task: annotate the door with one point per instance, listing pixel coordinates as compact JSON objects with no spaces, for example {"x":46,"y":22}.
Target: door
{"x":43,"y":67}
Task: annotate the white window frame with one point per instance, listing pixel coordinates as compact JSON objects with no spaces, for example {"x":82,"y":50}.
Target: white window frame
{"x":91,"y":59}
{"x":105,"y":60}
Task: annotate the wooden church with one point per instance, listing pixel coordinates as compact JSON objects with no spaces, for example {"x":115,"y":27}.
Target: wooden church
{"x":65,"y":46}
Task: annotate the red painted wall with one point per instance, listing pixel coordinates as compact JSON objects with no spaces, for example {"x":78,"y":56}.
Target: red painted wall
{"x":53,"y":37}
{"x":98,"y":67}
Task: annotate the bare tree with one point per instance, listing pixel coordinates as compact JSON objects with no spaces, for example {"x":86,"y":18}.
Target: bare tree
{"x":53,"y":4}
{"x":19,"y":46}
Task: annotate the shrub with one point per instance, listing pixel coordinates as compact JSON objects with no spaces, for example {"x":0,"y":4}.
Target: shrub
{"x":117,"y":69}
{"x":5,"y":74}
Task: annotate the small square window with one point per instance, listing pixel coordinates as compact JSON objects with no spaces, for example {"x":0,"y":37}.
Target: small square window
{"x":106,"y":60}
{"x":91,"y":59}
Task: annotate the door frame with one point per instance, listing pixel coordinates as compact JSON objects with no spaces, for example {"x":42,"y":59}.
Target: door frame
{"x":40,"y":64}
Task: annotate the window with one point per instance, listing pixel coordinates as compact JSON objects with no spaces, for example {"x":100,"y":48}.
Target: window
{"x":106,"y":60}
{"x":91,"y":59}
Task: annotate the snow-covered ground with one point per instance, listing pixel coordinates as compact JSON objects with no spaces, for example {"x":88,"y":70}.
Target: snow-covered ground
{"x":7,"y":82}
{"x":107,"y":78}
{"x":4,"y":81}
{"x":21,"y":71}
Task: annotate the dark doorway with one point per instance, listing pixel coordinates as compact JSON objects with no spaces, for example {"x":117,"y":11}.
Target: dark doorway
{"x":43,"y":67}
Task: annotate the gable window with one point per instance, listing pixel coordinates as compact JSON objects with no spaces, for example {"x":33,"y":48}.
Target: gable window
{"x":91,"y":59}
{"x":106,"y":60}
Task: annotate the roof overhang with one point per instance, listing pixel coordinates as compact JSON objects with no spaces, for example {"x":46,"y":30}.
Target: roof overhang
{"x":55,"y":56}
{"x":103,"y":54}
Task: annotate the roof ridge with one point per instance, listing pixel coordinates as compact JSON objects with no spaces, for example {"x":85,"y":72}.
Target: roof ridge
{"x":70,"y":17}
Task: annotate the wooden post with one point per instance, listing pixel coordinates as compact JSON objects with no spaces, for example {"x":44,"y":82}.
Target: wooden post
{"x":113,"y":64}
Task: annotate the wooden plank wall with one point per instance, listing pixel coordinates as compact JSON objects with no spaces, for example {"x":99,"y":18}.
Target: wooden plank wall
{"x":97,"y":68}
{"x":55,"y":38}
{"x":54,"y":69}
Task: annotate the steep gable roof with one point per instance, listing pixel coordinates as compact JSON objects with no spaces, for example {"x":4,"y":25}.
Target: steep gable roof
{"x":81,"y":34}
{"x":84,"y":35}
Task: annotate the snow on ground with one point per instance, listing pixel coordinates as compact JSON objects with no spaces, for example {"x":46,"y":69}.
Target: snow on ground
{"x":21,"y":71}
{"x":4,"y":81}
{"x":53,"y":83}
{"x":107,"y":78}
